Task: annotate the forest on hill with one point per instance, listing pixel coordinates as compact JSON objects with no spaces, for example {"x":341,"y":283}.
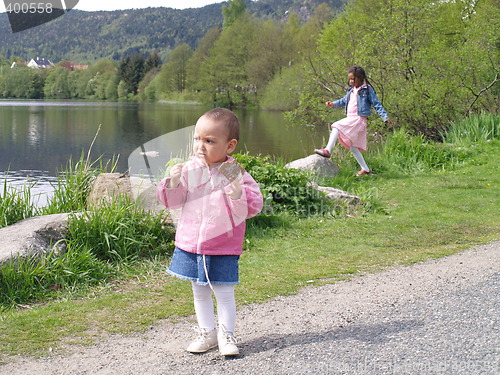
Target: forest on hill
{"x":84,"y":37}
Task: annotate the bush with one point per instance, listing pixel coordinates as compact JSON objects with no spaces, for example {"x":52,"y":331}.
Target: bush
{"x":284,"y":189}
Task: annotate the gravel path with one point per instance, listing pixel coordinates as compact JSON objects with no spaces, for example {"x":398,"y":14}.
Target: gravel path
{"x":437,"y":317}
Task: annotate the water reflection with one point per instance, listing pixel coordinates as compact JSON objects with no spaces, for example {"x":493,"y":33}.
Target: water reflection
{"x":40,"y":184}
{"x":42,"y":136}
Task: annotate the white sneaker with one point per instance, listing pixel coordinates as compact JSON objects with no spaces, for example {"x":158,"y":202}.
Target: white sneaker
{"x":205,"y":341}
{"x":227,"y":343}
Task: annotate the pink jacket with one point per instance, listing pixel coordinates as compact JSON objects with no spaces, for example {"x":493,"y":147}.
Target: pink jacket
{"x":210,"y":222}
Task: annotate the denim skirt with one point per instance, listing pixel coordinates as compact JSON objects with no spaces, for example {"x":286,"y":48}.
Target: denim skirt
{"x":222,"y":269}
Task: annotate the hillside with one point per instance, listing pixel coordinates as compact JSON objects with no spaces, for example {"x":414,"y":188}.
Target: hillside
{"x":89,"y":36}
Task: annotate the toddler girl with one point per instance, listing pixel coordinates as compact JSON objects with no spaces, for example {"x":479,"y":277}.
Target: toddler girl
{"x":215,"y":196}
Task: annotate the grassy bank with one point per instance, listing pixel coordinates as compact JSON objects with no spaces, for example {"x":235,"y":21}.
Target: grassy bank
{"x":417,"y":209}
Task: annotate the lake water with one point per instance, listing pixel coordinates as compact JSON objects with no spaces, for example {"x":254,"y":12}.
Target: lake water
{"x":37,"y":138}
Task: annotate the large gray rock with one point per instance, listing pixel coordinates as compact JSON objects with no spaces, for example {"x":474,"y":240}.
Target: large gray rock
{"x":319,"y":165}
{"x":33,"y":236}
{"x":110,"y":186}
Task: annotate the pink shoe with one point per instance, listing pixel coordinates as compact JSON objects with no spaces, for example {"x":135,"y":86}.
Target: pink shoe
{"x":323,"y":152}
{"x":363,"y":172}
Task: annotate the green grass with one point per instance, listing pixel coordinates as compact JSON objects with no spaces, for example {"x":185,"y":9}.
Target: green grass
{"x":101,"y":245}
{"x":15,"y":204}
{"x":480,"y":128}
{"x":413,"y":215}
{"x":414,"y":154}
{"x":427,"y":216}
{"x":70,"y":192}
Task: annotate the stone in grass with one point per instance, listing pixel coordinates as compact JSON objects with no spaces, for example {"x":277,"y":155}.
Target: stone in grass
{"x":319,"y":165}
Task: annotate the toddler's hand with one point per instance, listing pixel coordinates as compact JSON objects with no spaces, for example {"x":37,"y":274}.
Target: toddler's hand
{"x":390,"y":123}
{"x":233,"y":172}
{"x":236,"y":190}
{"x":329,"y":104}
{"x":175,"y":175}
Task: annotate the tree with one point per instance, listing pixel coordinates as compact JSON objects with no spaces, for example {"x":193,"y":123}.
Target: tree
{"x":147,"y":87}
{"x":173,"y":74}
{"x":196,"y":63}
{"x":428,"y":61}
{"x":122,"y":90}
{"x":269,"y":55}
{"x":307,"y":37}
{"x":153,"y":61}
{"x":23,"y":82}
{"x":480,"y":56}
{"x":4,"y":66}
{"x":111,"y":89}
{"x":299,"y":48}
{"x":131,"y":71}
{"x":57,"y":85}
{"x":104,"y":81}
{"x":233,"y":11}
{"x":103,"y":66}
{"x":224,"y":75}
{"x":78,"y":82}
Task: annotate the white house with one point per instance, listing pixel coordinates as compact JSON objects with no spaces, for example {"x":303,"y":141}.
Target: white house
{"x":40,"y":63}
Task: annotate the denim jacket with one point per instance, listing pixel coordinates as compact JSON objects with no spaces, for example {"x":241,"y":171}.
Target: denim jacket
{"x":366,"y":99}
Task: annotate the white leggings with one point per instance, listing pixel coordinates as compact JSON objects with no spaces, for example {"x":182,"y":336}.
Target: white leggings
{"x":357,"y":154}
{"x":204,"y":306}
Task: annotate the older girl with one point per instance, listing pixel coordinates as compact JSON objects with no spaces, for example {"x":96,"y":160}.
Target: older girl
{"x":351,"y":131}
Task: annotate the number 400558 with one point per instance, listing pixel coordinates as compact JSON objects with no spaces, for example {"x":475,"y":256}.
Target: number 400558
{"x":33,"y":8}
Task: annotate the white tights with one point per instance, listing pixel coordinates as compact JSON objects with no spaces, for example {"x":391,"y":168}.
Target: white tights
{"x":355,"y":151}
{"x":204,"y":306}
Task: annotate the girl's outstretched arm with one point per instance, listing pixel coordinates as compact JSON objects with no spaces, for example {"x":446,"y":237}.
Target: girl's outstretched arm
{"x":377,"y":105}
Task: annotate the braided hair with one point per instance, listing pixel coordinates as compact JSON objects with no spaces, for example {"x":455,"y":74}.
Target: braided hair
{"x":359,"y":73}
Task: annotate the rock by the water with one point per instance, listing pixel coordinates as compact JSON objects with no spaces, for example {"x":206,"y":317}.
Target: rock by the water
{"x":109,"y":186}
{"x":33,"y":236}
{"x":144,"y":194}
{"x":319,"y":165}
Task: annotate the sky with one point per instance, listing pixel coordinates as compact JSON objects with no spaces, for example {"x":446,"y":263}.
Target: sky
{"x":91,"y":5}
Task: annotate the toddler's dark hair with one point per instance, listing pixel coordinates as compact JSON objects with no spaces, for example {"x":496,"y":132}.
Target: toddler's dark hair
{"x":228,"y":119}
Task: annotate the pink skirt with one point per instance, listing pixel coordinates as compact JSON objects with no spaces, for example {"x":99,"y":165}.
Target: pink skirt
{"x":352,"y":132}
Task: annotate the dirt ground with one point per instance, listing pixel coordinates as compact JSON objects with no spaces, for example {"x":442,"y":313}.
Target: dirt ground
{"x":321,"y":330}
